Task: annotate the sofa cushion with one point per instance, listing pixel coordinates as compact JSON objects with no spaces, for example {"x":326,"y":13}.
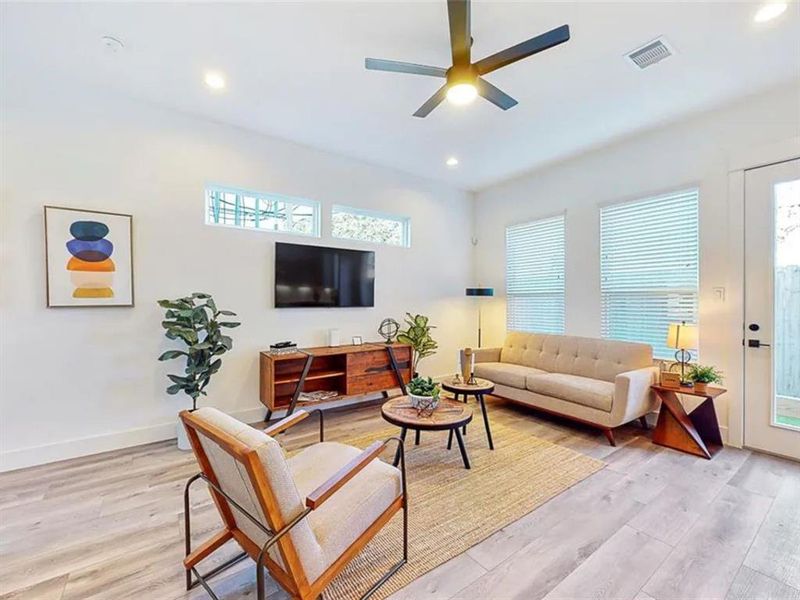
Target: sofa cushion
{"x":573,"y":388}
{"x":586,"y":357}
{"x":505,"y":373}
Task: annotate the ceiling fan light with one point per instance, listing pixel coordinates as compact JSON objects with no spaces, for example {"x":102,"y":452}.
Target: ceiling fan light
{"x":462,"y":93}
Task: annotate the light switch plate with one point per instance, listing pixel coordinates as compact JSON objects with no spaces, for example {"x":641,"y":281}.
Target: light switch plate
{"x":719,"y":293}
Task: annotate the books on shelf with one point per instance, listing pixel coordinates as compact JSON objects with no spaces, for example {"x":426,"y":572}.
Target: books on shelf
{"x":318,"y":396}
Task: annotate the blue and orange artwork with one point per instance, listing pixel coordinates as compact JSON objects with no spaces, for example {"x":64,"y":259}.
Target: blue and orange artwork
{"x":90,"y":266}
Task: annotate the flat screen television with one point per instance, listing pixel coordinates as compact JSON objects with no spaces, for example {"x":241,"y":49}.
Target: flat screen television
{"x":327,"y":277}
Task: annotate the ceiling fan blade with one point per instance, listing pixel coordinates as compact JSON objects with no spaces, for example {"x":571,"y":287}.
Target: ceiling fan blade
{"x":432,"y":102}
{"x":378,"y":64}
{"x":458,"y":13}
{"x":495,"y":95}
{"x":556,"y":36}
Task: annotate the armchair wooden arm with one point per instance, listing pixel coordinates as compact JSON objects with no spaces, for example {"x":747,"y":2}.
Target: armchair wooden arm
{"x":345,"y":474}
{"x":294,"y":419}
{"x":285,"y":423}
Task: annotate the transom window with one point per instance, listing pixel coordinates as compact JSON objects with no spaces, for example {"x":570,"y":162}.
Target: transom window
{"x":649,"y":253}
{"x":370,"y":226}
{"x":264,"y":212}
{"x":535,"y":260}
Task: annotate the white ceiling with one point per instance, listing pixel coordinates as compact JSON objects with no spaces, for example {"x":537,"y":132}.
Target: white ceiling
{"x":295,"y":70}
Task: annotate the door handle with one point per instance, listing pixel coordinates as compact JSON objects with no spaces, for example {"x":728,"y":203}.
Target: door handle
{"x":756,"y":344}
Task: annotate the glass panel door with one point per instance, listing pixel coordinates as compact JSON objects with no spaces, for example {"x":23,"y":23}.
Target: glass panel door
{"x":772,"y":309}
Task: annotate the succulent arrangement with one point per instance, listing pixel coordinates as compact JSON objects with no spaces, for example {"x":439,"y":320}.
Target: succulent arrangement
{"x":421,"y":386}
{"x":418,"y":336}
{"x":195,"y":320}
{"x":423,"y":394}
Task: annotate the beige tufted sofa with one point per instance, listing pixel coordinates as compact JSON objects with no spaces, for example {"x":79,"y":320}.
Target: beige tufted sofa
{"x":604,"y":383}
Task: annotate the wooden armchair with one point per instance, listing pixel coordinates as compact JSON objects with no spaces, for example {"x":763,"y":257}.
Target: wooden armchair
{"x":304,"y":518}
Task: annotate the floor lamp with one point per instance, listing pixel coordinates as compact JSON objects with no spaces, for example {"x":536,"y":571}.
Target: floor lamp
{"x":480,"y":292}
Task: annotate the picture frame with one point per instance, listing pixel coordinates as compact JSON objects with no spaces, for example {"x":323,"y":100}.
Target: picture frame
{"x":669,"y":379}
{"x":357,"y":340}
{"x":88,"y":258}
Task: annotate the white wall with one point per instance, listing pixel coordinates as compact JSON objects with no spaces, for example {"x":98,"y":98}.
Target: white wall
{"x":77,"y":381}
{"x":694,"y":152}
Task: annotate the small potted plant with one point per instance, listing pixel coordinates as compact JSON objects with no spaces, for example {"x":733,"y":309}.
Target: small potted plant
{"x":702,"y":375}
{"x":418,"y":336}
{"x":423,"y":393}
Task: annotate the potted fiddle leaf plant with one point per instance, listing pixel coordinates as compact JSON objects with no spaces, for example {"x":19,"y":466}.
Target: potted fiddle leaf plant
{"x":197,"y":323}
{"x":702,"y":375}
{"x":418,"y":335}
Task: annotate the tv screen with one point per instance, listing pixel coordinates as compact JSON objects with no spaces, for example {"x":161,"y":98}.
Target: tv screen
{"x":318,"y":276}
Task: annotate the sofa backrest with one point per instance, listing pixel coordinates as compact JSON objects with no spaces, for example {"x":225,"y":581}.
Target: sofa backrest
{"x":586,"y":357}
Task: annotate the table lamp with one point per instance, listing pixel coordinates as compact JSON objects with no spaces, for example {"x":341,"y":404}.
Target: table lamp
{"x":480,"y":292}
{"x":682,"y":337}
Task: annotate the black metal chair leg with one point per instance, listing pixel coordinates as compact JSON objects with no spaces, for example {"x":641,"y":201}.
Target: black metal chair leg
{"x":486,"y":421}
{"x":461,"y":447}
{"x":403,"y":432}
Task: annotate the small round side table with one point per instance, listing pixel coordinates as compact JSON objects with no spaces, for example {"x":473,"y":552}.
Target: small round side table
{"x":477,"y":389}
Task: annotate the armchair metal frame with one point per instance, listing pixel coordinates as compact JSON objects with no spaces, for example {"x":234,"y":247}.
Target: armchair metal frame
{"x":316,"y":498}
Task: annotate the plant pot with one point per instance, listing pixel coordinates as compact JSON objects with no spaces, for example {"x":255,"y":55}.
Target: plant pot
{"x":183,"y":438}
{"x":424,"y":402}
{"x":701,"y":387}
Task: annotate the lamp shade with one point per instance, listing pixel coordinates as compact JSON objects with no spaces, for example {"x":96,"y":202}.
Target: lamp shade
{"x":480,"y":291}
{"x":682,"y":336}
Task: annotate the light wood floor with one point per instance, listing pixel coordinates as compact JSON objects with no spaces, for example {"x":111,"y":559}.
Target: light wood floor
{"x":653,"y":524}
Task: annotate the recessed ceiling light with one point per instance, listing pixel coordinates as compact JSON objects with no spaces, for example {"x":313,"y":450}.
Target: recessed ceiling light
{"x":770,"y":11}
{"x":215,"y":80}
{"x":452,"y":162}
{"x":462,"y":93}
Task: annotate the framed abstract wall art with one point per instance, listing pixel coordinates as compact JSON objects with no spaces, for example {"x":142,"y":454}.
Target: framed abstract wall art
{"x":89,"y":257}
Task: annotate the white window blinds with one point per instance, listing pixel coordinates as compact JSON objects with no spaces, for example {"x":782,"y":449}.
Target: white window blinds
{"x":535,"y":276}
{"x":649,"y":268}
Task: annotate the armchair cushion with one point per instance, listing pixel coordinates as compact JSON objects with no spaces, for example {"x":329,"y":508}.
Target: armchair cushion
{"x":505,"y":373}
{"x":580,"y":390}
{"x":341,"y":519}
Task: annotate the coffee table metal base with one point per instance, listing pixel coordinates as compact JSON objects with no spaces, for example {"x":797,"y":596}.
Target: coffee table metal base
{"x":459,"y":439}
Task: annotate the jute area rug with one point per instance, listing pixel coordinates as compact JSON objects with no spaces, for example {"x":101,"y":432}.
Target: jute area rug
{"x":451,"y":508}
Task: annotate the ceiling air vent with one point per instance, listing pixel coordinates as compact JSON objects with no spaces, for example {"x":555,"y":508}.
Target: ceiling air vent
{"x":651,"y":53}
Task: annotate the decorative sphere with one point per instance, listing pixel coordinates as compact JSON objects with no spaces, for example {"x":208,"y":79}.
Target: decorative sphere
{"x":388,"y":329}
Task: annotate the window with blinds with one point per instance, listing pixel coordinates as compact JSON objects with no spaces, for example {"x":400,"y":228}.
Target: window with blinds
{"x":535,"y":259}
{"x":649,"y":253}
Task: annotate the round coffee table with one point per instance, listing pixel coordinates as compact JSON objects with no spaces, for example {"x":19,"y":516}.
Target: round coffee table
{"x":449,"y":415}
{"x":477,"y":389}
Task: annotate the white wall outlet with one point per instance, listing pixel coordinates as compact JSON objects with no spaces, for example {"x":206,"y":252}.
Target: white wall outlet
{"x":719,"y":294}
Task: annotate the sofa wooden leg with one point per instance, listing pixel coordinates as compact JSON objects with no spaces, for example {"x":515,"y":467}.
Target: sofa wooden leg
{"x":643,"y":422}
{"x":610,"y":436}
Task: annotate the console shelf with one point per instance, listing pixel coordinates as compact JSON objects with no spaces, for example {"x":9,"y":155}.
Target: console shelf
{"x":347,"y":370}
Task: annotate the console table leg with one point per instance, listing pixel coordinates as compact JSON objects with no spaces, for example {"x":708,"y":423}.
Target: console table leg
{"x":486,"y":421}
{"x":461,"y":447}
{"x":403,"y":432}
{"x":268,"y":416}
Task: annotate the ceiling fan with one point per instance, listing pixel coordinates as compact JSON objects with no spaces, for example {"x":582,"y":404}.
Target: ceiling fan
{"x":465,"y":78}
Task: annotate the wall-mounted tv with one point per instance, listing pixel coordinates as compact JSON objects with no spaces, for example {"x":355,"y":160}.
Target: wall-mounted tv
{"x":327,"y":277}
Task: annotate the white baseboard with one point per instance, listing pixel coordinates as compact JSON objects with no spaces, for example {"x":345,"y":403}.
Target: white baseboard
{"x":75,"y":448}
{"x":48,"y":453}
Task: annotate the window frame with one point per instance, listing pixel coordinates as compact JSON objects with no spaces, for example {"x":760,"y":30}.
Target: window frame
{"x":314,"y":205}
{"x":562,"y":215}
{"x":691,"y":188}
{"x":404,"y":220}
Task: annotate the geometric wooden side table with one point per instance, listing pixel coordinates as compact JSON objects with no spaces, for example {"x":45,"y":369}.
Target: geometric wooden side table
{"x":696,"y":432}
